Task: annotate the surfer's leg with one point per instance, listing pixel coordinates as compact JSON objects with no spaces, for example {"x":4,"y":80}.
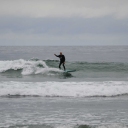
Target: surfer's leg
{"x":64,"y":66}
{"x":60,"y":65}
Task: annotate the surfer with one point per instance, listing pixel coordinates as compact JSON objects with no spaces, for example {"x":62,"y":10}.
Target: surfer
{"x":62,"y":60}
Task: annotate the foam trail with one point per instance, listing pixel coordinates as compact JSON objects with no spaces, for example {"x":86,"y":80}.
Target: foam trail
{"x":64,"y":89}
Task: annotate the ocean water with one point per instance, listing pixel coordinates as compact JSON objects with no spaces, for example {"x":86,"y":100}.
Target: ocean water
{"x":34,"y":93}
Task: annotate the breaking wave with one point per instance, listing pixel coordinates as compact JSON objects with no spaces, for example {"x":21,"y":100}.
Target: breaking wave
{"x":27,"y":67}
{"x":50,"y":68}
{"x":64,"y":89}
{"x":35,"y":66}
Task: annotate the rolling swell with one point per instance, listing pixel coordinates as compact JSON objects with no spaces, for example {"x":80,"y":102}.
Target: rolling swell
{"x":95,"y":66}
{"x":96,"y":70}
{"x":50,"y":68}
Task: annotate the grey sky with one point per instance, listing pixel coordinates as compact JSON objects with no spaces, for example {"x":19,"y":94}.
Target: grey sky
{"x":63,"y":22}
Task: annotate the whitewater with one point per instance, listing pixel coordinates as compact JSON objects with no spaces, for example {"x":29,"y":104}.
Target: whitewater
{"x":64,"y":89}
{"x":28,"y":67}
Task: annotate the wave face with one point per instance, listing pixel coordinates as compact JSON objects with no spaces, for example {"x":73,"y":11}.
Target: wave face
{"x":36,"y":66}
{"x":64,"y":89}
{"x":102,"y":67}
{"x":48,"y":70}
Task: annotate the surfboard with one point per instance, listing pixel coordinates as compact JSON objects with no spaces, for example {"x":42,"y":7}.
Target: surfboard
{"x":69,"y":70}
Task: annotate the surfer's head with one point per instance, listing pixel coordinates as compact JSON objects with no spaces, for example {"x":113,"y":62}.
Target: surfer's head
{"x":60,"y":53}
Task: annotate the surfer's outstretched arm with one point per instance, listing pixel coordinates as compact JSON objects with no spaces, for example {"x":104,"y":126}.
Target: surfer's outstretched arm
{"x":56,"y":55}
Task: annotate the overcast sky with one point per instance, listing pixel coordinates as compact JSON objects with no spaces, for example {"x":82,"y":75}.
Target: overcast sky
{"x":63,"y":22}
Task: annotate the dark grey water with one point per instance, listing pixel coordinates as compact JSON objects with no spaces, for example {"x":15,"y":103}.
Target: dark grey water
{"x":34,"y":93}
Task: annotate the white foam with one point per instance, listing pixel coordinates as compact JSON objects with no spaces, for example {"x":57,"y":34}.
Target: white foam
{"x":64,"y":89}
{"x":15,"y":65}
{"x":28,"y":66}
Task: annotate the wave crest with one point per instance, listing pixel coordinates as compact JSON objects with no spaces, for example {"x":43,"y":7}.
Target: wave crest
{"x":27,"y":66}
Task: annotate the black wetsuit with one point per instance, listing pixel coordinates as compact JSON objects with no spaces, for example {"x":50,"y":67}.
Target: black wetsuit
{"x":62,"y":60}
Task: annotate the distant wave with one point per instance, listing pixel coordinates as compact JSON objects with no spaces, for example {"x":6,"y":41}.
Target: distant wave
{"x":64,"y":89}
